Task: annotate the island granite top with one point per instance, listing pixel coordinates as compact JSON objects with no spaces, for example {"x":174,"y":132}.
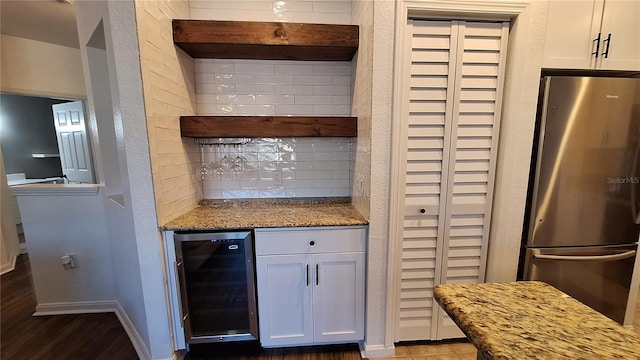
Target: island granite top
{"x":533,"y":320}
{"x":265,"y":213}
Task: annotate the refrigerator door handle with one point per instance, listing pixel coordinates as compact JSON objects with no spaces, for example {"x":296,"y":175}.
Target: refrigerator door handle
{"x":611,"y":257}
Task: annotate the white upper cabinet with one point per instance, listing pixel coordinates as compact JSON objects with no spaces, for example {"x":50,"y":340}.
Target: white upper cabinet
{"x":593,"y":34}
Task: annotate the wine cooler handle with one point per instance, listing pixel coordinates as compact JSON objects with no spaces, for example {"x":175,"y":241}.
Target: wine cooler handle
{"x":182,"y":291}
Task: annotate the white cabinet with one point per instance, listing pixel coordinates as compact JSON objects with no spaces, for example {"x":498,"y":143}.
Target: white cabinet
{"x":593,"y":34}
{"x":310,"y":285}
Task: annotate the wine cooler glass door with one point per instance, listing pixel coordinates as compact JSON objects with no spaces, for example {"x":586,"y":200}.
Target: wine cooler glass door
{"x":217,"y":286}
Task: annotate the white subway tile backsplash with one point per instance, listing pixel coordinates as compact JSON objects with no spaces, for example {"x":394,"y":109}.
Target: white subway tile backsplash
{"x":203,"y":78}
{"x":342,"y":80}
{"x":294,"y":89}
{"x":209,"y":66}
{"x":341,"y":100}
{"x":335,"y":110}
{"x":253,"y":68}
{"x":332,"y":90}
{"x":274,"y":99}
{"x":332,"y":69}
{"x":216,"y":89}
{"x":277,"y":79}
{"x":310,"y":167}
{"x":249,"y":89}
{"x":294,"y":110}
{"x":312,"y":80}
{"x":234,"y":78}
{"x":260,"y":110}
{"x":215,"y":109}
{"x":306,"y":99}
{"x":294,"y":67}
{"x":334,"y":7}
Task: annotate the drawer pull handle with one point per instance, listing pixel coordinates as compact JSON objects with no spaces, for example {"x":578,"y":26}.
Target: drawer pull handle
{"x":312,"y":243}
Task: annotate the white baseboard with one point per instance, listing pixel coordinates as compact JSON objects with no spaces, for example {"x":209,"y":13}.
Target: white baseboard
{"x":10,"y":266}
{"x":376,"y":351}
{"x":85,"y":307}
{"x":79,"y":307}
{"x":134,"y":336}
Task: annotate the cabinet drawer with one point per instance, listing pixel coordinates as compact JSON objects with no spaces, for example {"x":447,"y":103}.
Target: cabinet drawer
{"x":296,"y":241}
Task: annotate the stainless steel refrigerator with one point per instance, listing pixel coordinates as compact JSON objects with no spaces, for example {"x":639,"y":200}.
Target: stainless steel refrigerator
{"x":584,"y":202}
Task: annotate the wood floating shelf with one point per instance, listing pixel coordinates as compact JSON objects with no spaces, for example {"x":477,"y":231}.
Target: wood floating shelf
{"x":265,"y":40}
{"x":267,"y":126}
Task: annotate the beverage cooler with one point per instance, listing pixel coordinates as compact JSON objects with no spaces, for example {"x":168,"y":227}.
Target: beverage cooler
{"x":217,"y":286}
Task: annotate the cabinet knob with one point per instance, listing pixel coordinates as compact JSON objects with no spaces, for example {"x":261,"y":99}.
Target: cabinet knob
{"x":423,"y":210}
{"x":312,"y":243}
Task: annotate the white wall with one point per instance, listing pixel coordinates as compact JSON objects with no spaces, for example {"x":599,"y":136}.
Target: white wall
{"x":30,"y":67}
{"x":57,"y":222}
{"x":382,"y":83}
{"x":313,"y":167}
{"x":522,"y":79}
{"x":169,"y":92}
{"x":131,"y":221}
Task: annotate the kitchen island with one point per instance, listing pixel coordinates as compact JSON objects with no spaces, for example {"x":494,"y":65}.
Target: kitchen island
{"x":266,"y":213}
{"x":533,"y":320}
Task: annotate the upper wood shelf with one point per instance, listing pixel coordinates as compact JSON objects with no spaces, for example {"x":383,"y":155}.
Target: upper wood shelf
{"x":267,"y":126}
{"x":265,"y":40}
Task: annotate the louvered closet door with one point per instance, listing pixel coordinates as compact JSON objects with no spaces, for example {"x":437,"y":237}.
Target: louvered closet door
{"x":449,"y":138}
{"x":480,"y":62}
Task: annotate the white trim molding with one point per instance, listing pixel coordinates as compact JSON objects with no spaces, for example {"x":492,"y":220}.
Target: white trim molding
{"x":10,"y":266}
{"x":134,"y":336}
{"x":498,"y":10}
{"x":56,"y":189}
{"x":376,"y":351}
{"x":477,"y":9}
{"x":80,"y":307}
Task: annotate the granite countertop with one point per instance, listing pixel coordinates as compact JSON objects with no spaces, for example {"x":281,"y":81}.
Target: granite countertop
{"x":264,"y":213}
{"x":533,"y":320}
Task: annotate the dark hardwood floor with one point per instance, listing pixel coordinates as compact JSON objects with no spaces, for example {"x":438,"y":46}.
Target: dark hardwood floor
{"x":101,"y":337}
{"x":57,"y":337}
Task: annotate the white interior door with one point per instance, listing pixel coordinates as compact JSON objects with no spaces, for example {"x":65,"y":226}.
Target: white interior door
{"x":449,"y":138}
{"x":73,"y":142}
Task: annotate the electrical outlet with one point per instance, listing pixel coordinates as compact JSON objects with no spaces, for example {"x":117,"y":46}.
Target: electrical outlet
{"x":69,"y":261}
{"x":277,"y":177}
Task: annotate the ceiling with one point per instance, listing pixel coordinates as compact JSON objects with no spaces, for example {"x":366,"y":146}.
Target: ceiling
{"x":42,"y":20}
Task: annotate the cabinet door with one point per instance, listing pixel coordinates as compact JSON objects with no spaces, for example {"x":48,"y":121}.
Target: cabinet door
{"x":338,"y":297}
{"x":284,"y":299}
{"x":621,"y":19}
{"x":572,"y":27}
